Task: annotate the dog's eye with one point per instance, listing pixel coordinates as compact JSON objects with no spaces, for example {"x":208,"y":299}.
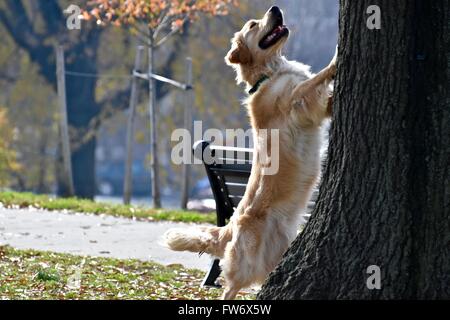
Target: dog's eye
{"x":252,"y":25}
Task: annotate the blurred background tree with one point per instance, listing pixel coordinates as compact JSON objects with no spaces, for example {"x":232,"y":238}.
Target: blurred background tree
{"x":36,"y":27}
{"x":98,"y":106}
{"x":8,"y":164}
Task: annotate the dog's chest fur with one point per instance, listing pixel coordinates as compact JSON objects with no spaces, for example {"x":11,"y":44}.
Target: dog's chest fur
{"x":299,"y":147}
{"x":267,"y":219}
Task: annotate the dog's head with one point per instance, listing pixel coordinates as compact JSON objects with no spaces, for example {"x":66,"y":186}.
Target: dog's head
{"x":259,"y":40}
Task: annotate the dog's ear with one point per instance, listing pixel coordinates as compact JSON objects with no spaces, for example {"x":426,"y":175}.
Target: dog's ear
{"x":239,"y":54}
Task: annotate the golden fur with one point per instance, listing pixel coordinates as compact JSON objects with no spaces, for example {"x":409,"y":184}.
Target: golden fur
{"x":266,"y":221}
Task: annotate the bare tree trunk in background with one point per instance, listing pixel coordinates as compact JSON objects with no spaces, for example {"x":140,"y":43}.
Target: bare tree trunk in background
{"x":186,"y":172}
{"x":128,"y":178}
{"x":63,"y":122}
{"x":385,"y":193}
{"x":41,"y":186}
{"x":154,"y":163}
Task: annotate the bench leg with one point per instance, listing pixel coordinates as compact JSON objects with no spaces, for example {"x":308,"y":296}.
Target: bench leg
{"x":212,"y":275}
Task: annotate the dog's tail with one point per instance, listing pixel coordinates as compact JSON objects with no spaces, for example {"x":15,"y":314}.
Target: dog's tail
{"x":210,"y":240}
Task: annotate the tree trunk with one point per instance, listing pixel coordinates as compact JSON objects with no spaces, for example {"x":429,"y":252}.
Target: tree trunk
{"x":41,"y":186}
{"x":154,"y":163}
{"x":81,"y":109}
{"x":385,"y":193}
{"x":190,"y":99}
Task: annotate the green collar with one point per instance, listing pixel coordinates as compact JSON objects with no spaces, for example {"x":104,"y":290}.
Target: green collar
{"x":258,"y":84}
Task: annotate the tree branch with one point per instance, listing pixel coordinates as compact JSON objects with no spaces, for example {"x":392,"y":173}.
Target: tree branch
{"x":19,"y":26}
{"x":117,"y":102}
{"x":164,"y":18}
{"x":52,"y":15}
{"x":109,"y":107}
{"x":171,"y":33}
{"x":141,"y":35}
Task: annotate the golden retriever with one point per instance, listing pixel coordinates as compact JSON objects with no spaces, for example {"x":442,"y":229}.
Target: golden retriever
{"x":283,"y":95}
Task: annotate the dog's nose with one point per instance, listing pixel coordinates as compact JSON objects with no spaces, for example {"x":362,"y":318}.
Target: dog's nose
{"x":275,"y":10}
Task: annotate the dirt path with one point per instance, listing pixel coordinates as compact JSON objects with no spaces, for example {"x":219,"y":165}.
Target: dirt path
{"x":84,"y":234}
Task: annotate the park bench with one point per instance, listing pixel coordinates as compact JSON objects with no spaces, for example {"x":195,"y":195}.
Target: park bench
{"x":228,"y":170}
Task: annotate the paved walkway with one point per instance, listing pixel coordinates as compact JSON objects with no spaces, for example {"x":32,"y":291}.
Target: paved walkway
{"x":84,"y":234}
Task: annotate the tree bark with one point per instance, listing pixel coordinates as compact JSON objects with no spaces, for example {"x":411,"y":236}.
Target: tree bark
{"x":385,"y":193}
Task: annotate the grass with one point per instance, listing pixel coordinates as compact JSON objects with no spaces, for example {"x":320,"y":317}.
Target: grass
{"x":28,"y":274}
{"x":26,"y":200}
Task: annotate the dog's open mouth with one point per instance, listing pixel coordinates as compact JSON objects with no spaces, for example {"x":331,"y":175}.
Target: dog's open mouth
{"x":277,"y":33}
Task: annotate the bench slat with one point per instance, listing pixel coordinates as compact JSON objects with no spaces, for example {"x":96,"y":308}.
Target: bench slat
{"x":235,"y":149}
{"x":235,"y":189}
{"x":231,"y":161}
{"x":235,"y":200}
{"x":241,"y":180}
{"x":231,"y":172}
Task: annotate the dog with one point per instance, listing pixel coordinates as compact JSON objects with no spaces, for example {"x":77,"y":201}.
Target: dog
{"x":283,"y":95}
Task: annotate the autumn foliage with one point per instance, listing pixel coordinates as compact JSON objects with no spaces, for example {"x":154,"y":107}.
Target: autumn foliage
{"x":154,"y":13}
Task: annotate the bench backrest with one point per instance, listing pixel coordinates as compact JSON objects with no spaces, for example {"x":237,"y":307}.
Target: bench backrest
{"x":228,"y":170}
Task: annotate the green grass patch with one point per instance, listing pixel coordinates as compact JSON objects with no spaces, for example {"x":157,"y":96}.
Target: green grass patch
{"x":29,"y":274}
{"x":25,"y":200}
{"x":47,"y":275}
